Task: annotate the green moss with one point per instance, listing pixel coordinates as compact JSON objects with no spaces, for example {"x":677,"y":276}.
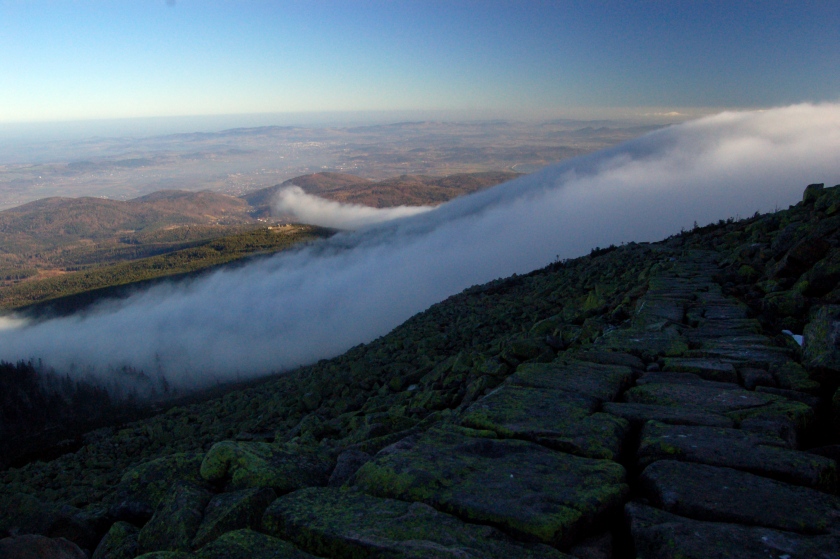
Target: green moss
{"x":248,"y":464}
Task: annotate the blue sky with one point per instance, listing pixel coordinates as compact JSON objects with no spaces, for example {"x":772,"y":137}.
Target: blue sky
{"x":77,"y":60}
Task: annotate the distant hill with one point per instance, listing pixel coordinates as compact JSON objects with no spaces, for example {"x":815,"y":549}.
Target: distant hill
{"x":405,"y":190}
{"x":57,"y":246}
{"x":51,"y":222}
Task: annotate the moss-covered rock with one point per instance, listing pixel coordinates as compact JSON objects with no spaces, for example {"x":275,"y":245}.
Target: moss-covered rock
{"x":725,"y":495}
{"x":144,"y":486}
{"x":24,"y":514}
{"x":347,"y":524}
{"x":33,"y":546}
{"x":658,"y":534}
{"x":119,"y":543}
{"x":555,"y":418}
{"x":176,"y":520}
{"x":821,"y":349}
{"x":248,"y":544}
{"x":709,"y":369}
{"x":604,"y":382}
{"x":246,"y":464}
{"x":760,"y":454}
{"x":231,"y":511}
{"x":522,"y":486}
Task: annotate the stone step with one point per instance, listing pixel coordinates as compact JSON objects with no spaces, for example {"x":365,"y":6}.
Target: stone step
{"x":719,"y":494}
{"x":555,"y":418}
{"x":668,"y":377}
{"x":746,"y":355}
{"x":718,"y":398}
{"x":639,"y":414}
{"x":604,"y":382}
{"x":760,"y":454}
{"x":646,"y":345}
{"x":520,"y":486}
{"x":334,"y":523}
{"x":661,"y":535}
{"x":609,"y":358}
{"x":709,"y":369}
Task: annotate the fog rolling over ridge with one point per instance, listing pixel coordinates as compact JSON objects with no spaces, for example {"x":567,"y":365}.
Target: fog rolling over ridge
{"x":316,"y":302}
{"x":329,"y":213}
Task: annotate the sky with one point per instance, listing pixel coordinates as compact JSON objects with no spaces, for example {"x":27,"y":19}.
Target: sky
{"x":83,"y":60}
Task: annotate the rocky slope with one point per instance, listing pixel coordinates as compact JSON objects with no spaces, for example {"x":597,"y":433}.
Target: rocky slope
{"x":642,"y":401}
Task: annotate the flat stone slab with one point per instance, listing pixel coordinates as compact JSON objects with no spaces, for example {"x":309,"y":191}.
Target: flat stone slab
{"x":335,"y":523}
{"x":719,"y":494}
{"x":638,"y":414}
{"x":610,"y":358}
{"x":604,"y":382}
{"x":724,"y":310}
{"x":518,"y":485}
{"x":756,"y":453}
{"x":661,"y":535}
{"x":742,"y":339}
{"x":747,"y":356}
{"x":561,"y":420}
{"x":717,"y":329}
{"x":669,"y":377}
{"x":709,"y":369}
{"x":713,"y":398}
{"x":652,"y":309}
{"x":735,"y":403}
{"x":644,"y":344}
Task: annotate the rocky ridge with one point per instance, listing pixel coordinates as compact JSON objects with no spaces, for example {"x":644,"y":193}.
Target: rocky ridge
{"x":645,"y":401}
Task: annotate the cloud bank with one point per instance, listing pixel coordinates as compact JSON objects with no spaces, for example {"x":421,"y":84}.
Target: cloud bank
{"x":297,"y":307}
{"x":329,"y":213}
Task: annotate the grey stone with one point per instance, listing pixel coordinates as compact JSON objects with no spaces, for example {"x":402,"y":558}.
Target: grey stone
{"x":719,"y":494}
{"x":661,"y":535}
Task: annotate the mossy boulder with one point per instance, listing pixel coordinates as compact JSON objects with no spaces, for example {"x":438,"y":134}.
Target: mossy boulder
{"x":119,"y":543}
{"x":24,"y":514}
{"x":821,"y":350}
{"x":793,"y":376}
{"x":248,"y":544}
{"x":231,"y":511}
{"x":34,"y":546}
{"x":524,"y":487}
{"x":347,"y":464}
{"x":348,"y":524}
{"x":253,"y":464}
{"x":144,"y":486}
{"x":176,"y":519}
{"x":555,"y":418}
